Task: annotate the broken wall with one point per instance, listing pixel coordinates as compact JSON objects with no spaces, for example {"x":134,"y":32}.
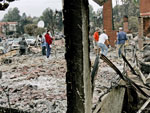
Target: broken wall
{"x":144,"y":7}
{"x":146,"y":26}
{"x":145,"y":14}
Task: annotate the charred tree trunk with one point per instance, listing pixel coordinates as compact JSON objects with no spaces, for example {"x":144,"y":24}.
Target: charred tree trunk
{"x":78,"y":79}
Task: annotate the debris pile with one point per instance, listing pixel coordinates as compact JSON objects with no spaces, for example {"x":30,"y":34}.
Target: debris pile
{"x":130,"y":92}
{"x":33,"y":83}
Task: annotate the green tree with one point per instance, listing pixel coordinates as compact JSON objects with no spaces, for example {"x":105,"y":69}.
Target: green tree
{"x":96,"y":19}
{"x":59,"y":22}
{"x":91,"y":13}
{"x":30,"y":29}
{"x":35,"y":20}
{"x":48,"y":18}
{"x":12,"y":15}
{"x":52,"y":20}
{"x":129,"y":8}
{"x":39,"y":31}
{"x":133,"y":23}
{"x":24,"y":20}
{"x":99,"y":19}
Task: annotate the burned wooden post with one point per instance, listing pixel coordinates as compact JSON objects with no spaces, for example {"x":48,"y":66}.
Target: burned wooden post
{"x":78,"y":79}
{"x":94,"y":71}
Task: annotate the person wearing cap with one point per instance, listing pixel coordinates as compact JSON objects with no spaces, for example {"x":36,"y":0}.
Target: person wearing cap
{"x":103,"y":38}
{"x":96,"y":38}
{"x":121,"y":39}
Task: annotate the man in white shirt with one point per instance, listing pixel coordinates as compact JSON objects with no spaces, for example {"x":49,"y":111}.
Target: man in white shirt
{"x":101,"y":43}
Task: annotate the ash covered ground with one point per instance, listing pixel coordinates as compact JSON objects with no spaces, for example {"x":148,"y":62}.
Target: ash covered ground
{"x":34,"y":83}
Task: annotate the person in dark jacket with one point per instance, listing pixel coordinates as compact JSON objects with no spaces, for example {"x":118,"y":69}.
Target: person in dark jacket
{"x":121,"y":39}
{"x":0,"y":39}
{"x":23,"y":46}
{"x":48,"y":39}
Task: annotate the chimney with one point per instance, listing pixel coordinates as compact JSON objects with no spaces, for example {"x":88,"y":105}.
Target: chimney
{"x":108,"y":22}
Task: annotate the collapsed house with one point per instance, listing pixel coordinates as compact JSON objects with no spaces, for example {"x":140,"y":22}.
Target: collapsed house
{"x":122,"y":95}
{"x":132,"y":92}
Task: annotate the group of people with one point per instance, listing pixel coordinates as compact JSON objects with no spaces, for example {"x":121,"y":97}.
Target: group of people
{"x":46,"y":42}
{"x":101,"y":41}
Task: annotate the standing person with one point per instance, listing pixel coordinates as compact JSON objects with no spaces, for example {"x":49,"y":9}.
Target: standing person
{"x":48,"y":39}
{"x":43,"y":44}
{"x":95,"y":41}
{"x":121,"y":39}
{"x":103,"y":38}
{"x":23,"y":46}
{"x":38,"y":41}
{"x":5,"y":45}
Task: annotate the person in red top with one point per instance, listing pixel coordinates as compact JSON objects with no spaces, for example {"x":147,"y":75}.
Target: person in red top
{"x":96,"y":38}
{"x":48,"y":39}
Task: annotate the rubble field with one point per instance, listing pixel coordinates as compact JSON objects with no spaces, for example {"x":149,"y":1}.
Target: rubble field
{"x":35,"y":84}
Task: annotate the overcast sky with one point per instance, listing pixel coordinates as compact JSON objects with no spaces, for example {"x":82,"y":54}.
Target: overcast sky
{"x":36,"y":7}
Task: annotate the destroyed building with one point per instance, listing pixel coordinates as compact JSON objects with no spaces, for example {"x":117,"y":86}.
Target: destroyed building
{"x":6,"y":27}
{"x":78,"y":74}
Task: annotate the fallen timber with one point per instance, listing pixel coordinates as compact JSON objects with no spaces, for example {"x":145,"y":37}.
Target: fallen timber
{"x":9,"y":54}
{"x":132,"y":89}
{"x":138,"y":73}
{"x":94,"y":71}
{"x":123,"y":77}
{"x":6,"y":58}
